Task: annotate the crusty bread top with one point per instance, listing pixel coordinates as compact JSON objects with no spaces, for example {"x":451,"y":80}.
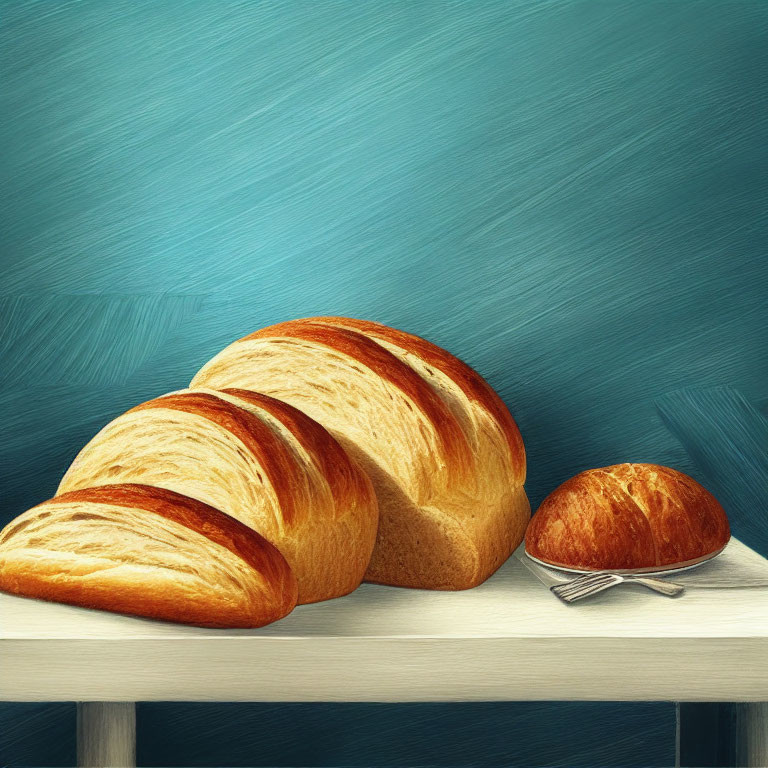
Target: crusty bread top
{"x":452,"y":441}
{"x":149,"y":552}
{"x":270,"y":451}
{"x":221,"y":529}
{"x":349,"y":486}
{"x":474,"y":386}
{"x":257,"y":460}
{"x":358,"y":339}
{"x":627,"y":516}
{"x":443,"y":452}
{"x":346,"y":482}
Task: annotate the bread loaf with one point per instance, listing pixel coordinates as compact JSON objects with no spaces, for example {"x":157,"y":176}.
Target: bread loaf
{"x":445,"y":456}
{"x":627,"y":516}
{"x":257,"y":459}
{"x":148,"y":552}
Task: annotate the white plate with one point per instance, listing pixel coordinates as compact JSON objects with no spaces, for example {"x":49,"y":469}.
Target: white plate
{"x":628,"y":571}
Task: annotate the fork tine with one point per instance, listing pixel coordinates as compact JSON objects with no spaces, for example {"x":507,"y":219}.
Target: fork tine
{"x":582,"y":581}
{"x":572,"y":598}
{"x":584,"y":586}
{"x":585,"y":591}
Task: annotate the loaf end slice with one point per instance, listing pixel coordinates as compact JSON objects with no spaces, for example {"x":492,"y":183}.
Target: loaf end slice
{"x":148,"y":552}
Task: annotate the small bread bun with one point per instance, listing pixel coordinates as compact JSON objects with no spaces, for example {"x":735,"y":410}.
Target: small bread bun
{"x":627,"y":516}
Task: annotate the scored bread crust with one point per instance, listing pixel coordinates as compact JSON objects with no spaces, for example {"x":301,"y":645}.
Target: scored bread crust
{"x":445,"y":456}
{"x":627,"y":516}
{"x":472,"y":384}
{"x":148,"y":552}
{"x":257,"y":459}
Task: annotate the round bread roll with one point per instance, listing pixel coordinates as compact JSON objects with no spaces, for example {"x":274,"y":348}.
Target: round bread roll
{"x":627,"y":516}
{"x":445,"y":455}
{"x":257,"y":459}
{"x":147,"y":552}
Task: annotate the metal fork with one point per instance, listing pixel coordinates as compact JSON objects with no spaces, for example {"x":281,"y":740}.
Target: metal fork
{"x":591,"y":583}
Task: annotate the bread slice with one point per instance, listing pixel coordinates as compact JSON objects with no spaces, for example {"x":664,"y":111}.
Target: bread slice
{"x":628,"y":516}
{"x":149,"y":552}
{"x":257,"y":459}
{"x":445,"y":455}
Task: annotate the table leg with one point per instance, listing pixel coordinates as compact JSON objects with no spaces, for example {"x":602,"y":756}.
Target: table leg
{"x":751,"y":735}
{"x":106,"y":734}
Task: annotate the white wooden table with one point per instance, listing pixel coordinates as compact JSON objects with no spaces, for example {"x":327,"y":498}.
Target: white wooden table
{"x":508,"y":639}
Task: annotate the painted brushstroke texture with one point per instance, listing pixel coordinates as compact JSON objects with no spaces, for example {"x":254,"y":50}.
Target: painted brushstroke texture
{"x":568,"y":194}
{"x":65,"y":419}
{"x":87,"y":339}
{"x":492,"y":735}
{"x":38,"y":734}
{"x":727,"y":438}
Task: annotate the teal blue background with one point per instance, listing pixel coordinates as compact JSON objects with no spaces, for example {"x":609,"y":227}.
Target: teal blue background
{"x":571,"y":196}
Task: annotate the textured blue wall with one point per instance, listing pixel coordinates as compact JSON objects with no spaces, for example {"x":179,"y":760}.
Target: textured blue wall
{"x":569,"y":195}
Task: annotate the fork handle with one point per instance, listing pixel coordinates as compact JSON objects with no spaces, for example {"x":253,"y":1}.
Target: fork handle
{"x":657,"y":585}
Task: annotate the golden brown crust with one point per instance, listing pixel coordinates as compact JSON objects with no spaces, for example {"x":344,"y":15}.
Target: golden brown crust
{"x":257,"y":460}
{"x":222,"y":529}
{"x":270,"y":451}
{"x":349,"y":485}
{"x":443,"y":452}
{"x":385,"y":364}
{"x":106,"y":571}
{"x":474,"y":386}
{"x":627,"y":516}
